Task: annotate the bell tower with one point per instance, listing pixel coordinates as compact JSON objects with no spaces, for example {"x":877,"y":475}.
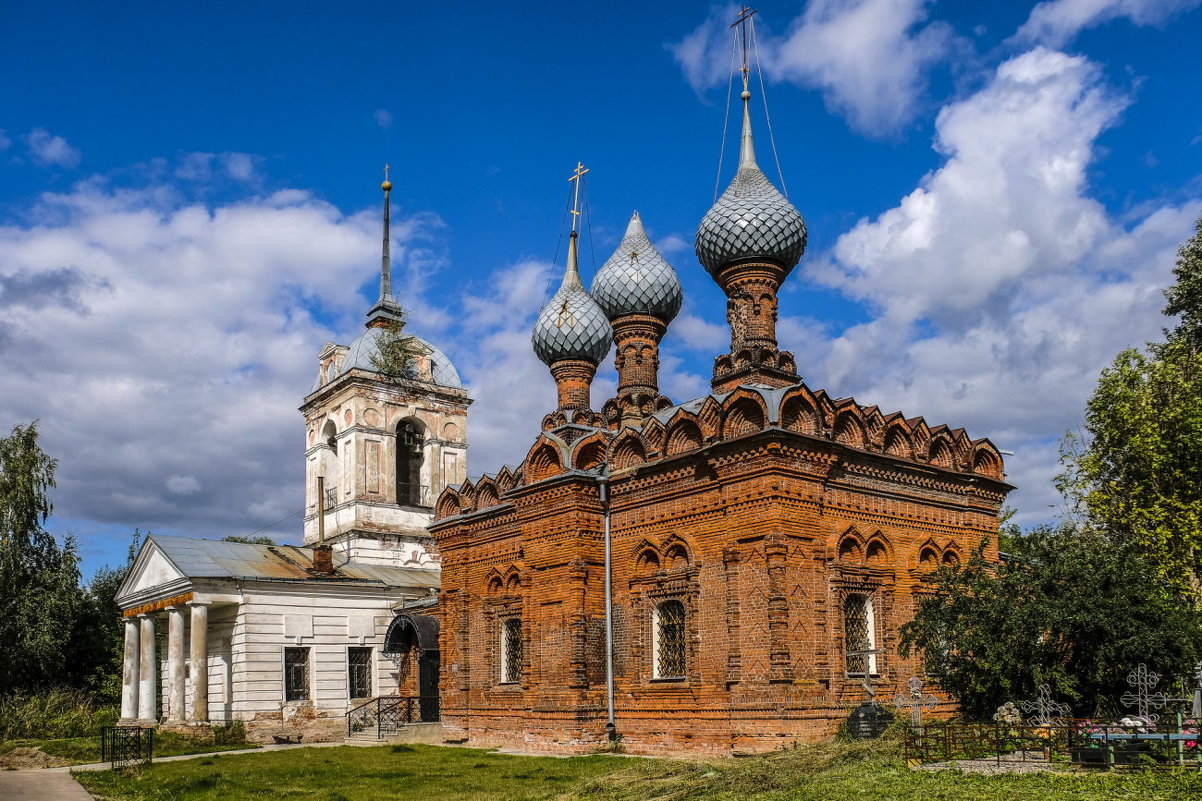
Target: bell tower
{"x":386,"y":432}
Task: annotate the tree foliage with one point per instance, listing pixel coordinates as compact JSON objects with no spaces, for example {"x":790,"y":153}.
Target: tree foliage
{"x":39,"y":580}
{"x":1071,"y":608}
{"x":395,"y":354}
{"x":1137,"y":473}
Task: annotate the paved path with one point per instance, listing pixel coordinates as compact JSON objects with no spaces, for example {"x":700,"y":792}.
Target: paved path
{"x":40,"y":785}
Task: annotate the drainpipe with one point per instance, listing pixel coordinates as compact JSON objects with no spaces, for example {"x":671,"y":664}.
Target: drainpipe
{"x":610,"y":728}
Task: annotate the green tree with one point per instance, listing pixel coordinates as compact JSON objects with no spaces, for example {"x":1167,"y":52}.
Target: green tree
{"x":1070,"y":608}
{"x":249,"y":540}
{"x":395,"y":353}
{"x":1185,"y":295}
{"x":97,"y":645}
{"x":39,"y":580}
{"x":1138,"y":471}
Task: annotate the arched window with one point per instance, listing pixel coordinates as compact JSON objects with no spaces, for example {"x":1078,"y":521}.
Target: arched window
{"x":511,"y":650}
{"x":330,"y":435}
{"x":858,"y":635}
{"x":409,"y":459}
{"x":668,"y":649}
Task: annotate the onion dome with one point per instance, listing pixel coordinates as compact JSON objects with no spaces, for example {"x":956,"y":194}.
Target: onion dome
{"x":752,"y":220}
{"x":572,"y":325}
{"x":637,"y":280}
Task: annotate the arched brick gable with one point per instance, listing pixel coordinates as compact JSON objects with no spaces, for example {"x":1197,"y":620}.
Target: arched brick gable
{"x":849,"y":430}
{"x":898,"y":441}
{"x":627,"y":452}
{"x":544,"y":462}
{"x":744,"y":414}
{"x":684,"y":436}
{"x":590,"y":453}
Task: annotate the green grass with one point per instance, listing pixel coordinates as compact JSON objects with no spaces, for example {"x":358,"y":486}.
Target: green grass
{"x":827,"y":772}
{"x":350,"y":773}
{"x":83,"y":750}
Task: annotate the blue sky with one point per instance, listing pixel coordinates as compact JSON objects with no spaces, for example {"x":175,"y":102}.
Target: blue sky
{"x":189,"y":210}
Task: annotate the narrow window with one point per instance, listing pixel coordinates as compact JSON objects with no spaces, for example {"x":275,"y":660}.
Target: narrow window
{"x":296,"y":674}
{"x":858,"y":635}
{"x":511,"y":650}
{"x":668,"y":646}
{"x":409,"y":458}
{"x":358,"y":672}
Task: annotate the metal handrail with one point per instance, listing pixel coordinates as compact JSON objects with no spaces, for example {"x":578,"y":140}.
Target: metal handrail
{"x":390,"y":712}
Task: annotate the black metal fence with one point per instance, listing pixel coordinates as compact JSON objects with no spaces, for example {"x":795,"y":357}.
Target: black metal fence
{"x":388,"y":714}
{"x":1084,"y":742}
{"x":124,"y":746}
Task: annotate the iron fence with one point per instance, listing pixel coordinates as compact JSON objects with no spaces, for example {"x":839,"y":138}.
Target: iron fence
{"x":124,"y":746}
{"x":1084,"y":742}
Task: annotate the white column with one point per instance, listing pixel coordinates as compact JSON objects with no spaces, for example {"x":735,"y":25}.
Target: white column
{"x":175,"y":664}
{"x":199,"y":654}
{"x":147,"y":672}
{"x":129,"y":671}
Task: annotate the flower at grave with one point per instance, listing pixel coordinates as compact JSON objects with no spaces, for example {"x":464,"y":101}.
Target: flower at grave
{"x":1008,"y":713}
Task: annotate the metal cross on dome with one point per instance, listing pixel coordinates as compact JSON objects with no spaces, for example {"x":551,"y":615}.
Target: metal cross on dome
{"x":1143,"y":698}
{"x":915,"y":701}
{"x":1047,"y":712}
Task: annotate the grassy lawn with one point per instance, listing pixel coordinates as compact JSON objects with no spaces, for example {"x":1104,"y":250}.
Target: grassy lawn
{"x":82,"y":750}
{"x":829,"y":772}
{"x":350,"y":773}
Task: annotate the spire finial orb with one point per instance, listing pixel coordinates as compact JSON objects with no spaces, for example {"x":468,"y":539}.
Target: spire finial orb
{"x":387,"y":185}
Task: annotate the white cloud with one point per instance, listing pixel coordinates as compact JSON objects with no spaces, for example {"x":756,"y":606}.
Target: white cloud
{"x":1057,"y":22}
{"x":165,"y":344}
{"x":1002,"y":286}
{"x":48,"y":150}
{"x":5,"y":142}
{"x":205,"y":167}
{"x":183,"y":485}
{"x":383,"y":118}
{"x":869,"y":58}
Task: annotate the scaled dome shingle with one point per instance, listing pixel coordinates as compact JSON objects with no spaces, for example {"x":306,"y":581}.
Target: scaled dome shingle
{"x":637,"y":280}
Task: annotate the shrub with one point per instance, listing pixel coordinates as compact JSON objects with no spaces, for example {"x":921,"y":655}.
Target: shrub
{"x":53,"y":714}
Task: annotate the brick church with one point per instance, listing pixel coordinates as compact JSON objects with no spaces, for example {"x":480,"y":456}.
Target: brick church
{"x":726,"y":573}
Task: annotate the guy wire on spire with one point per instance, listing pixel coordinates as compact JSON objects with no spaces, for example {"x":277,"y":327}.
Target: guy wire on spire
{"x":740,"y":23}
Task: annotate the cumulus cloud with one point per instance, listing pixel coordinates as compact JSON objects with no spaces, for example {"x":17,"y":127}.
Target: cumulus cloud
{"x":383,"y":118}
{"x":48,"y":150}
{"x":869,"y":58}
{"x":1057,"y":22}
{"x":165,"y":345}
{"x":1001,"y":286}
{"x":206,"y":167}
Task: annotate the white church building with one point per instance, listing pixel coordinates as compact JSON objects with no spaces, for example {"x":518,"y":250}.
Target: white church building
{"x":289,"y":638}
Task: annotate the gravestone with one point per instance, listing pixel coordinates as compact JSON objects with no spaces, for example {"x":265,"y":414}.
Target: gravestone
{"x":868,"y":721}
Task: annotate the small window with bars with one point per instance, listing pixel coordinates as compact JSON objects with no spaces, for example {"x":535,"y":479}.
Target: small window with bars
{"x":358,"y":672}
{"x":296,"y":674}
{"x":511,"y":650}
{"x":669,"y":643}
{"x":859,"y":641}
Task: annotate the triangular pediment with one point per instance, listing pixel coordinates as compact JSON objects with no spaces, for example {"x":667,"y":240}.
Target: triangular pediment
{"x":150,"y":569}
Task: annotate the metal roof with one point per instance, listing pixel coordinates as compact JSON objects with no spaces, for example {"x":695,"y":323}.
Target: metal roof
{"x":201,"y":558}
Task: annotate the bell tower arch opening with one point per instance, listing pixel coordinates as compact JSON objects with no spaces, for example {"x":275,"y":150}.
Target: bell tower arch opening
{"x":410,"y":457}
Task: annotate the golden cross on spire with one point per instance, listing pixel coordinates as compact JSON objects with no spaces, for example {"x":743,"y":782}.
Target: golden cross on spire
{"x":742,"y":22}
{"x":577,"y":175}
{"x":385,"y":171}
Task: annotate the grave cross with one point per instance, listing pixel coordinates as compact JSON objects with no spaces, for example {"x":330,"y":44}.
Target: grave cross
{"x":915,"y":701}
{"x":867,"y":682}
{"x":1144,"y":699}
{"x":1047,"y":712}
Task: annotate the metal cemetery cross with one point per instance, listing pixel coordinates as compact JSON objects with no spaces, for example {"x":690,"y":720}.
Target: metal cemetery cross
{"x":1047,"y":711}
{"x":915,"y":701}
{"x":1144,"y":699}
{"x":867,"y":682}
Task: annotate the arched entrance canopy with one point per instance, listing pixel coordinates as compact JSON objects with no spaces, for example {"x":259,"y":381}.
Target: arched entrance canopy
{"x":407,"y":630}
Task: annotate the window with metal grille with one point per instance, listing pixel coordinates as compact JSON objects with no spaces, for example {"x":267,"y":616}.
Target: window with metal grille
{"x":296,"y":674}
{"x":511,"y":650}
{"x":858,"y":634}
{"x":358,"y":672}
{"x":669,"y":651}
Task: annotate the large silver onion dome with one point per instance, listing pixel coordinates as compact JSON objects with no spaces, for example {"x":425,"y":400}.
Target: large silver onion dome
{"x":637,"y":280}
{"x":751,"y":219}
{"x":572,"y":325}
